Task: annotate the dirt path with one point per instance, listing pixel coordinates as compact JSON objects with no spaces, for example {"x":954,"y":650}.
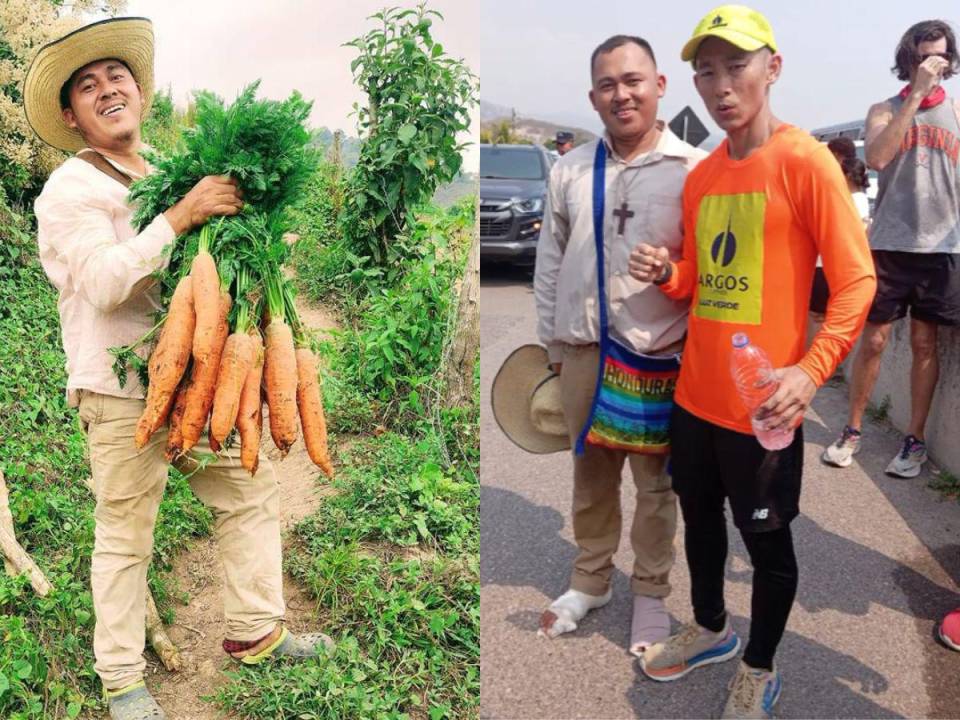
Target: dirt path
{"x":199,"y":627}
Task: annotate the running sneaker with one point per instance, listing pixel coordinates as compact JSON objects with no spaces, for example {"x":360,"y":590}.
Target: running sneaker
{"x":840,"y":453}
{"x":691,"y":647}
{"x":950,"y":630}
{"x":908,"y":461}
{"x":753,"y":693}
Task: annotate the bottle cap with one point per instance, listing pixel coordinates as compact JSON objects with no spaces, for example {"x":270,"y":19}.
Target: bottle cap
{"x":740,"y":340}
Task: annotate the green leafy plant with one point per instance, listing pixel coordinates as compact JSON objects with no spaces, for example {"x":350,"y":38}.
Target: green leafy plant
{"x":418,"y":100}
{"x":263,"y":144}
{"x":880,"y":413}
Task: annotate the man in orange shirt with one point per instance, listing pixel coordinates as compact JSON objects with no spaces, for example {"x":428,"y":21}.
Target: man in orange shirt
{"x":757,"y":213}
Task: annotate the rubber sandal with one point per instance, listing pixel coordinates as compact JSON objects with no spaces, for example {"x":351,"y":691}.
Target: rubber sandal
{"x":306,"y":645}
{"x":134,"y":702}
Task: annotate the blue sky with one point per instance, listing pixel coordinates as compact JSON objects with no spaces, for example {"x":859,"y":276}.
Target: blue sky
{"x":534,"y":56}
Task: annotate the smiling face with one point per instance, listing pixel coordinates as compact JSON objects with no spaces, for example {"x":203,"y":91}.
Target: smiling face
{"x":105,"y":104}
{"x":733,"y":83}
{"x":626,"y":91}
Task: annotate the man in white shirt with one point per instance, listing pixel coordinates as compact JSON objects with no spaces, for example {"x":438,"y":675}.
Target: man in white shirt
{"x":645,"y":170}
{"x":87,"y":93}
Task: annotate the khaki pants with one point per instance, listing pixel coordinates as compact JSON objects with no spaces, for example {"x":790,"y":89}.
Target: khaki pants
{"x":596,"y":496}
{"x":129,"y":485}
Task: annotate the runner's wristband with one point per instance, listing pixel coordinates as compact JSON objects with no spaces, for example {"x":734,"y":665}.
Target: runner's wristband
{"x":665,"y":275}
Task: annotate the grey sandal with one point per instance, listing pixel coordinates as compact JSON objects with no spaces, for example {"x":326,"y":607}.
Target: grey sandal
{"x":134,"y":703}
{"x":305,"y":645}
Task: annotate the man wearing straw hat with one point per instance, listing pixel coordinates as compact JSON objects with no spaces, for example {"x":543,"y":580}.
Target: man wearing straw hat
{"x":632,"y":179}
{"x":87,"y":93}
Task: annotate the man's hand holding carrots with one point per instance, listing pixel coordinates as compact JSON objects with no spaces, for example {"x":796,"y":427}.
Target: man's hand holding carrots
{"x":213,"y":195}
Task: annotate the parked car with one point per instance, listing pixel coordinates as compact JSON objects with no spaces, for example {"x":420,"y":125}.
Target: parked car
{"x":513,"y":189}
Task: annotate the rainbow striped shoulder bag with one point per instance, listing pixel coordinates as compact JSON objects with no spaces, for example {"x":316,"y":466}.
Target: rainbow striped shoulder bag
{"x":634,"y":392}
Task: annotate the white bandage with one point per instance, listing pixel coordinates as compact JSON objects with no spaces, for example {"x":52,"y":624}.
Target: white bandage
{"x":565,"y":613}
{"x":651,"y":623}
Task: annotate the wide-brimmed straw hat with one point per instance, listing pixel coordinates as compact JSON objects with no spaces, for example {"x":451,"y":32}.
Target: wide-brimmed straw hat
{"x":526,"y":402}
{"x":129,"y":40}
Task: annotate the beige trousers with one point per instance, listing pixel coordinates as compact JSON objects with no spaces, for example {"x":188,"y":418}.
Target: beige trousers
{"x":129,"y":485}
{"x":597,"y":517}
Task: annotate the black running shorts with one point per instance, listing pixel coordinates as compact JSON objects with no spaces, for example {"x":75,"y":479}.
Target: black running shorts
{"x":820,"y":293}
{"x":709,"y":462}
{"x":928,"y":284}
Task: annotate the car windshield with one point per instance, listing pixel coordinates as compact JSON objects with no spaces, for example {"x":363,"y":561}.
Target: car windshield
{"x":510,"y":163}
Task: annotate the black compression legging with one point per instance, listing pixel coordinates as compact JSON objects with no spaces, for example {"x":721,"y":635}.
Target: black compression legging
{"x":774,"y":582}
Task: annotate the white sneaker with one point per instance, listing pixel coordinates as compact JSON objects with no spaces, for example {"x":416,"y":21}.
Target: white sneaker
{"x":909,"y":460}
{"x":840,"y":453}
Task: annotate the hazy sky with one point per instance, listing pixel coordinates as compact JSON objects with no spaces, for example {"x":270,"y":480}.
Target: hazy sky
{"x":535,"y":56}
{"x":223,"y":45}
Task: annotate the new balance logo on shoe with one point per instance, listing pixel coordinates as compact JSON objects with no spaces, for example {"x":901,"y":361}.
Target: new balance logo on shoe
{"x":760,"y":514}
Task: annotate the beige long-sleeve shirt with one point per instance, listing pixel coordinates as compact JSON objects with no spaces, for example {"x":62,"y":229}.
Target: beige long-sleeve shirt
{"x":102,"y":268}
{"x":565,"y":280}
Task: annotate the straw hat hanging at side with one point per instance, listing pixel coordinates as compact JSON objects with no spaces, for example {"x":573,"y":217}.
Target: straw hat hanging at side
{"x":526,"y":402}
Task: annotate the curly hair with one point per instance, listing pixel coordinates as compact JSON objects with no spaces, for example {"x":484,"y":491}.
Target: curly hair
{"x":856,"y":172}
{"x":843,"y":147}
{"x":907,"y":57}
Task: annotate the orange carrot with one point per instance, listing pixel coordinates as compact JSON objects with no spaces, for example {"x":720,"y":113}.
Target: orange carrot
{"x":206,"y":290}
{"x":250,"y":413}
{"x":280,"y":372}
{"x":310,"y":403}
{"x":235,"y":363}
{"x":175,"y":437}
{"x":168,"y":361}
{"x":204,"y":380}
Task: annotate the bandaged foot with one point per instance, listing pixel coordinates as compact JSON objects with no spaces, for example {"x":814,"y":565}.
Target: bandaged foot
{"x":566,"y":612}
{"x":651,"y":623}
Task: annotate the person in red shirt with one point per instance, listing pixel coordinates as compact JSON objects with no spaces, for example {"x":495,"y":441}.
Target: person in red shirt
{"x":757,"y":213}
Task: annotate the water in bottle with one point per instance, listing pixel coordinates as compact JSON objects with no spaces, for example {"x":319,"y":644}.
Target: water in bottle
{"x":753,"y":375}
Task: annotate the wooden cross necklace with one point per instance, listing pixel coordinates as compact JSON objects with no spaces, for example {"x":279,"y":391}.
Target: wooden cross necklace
{"x":624,"y":213}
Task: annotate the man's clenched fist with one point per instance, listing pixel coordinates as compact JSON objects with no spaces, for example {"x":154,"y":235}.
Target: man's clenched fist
{"x":648,"y":263}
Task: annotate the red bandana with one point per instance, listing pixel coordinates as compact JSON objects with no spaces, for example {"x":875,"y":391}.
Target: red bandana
{"x":932,"y":100}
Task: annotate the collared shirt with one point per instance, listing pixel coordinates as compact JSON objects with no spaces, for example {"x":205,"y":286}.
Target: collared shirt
{"x":102,"y":268}
{"x":643,"y":196}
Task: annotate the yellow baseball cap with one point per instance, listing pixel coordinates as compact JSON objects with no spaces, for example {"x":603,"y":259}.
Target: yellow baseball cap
{"x":737,"y":24}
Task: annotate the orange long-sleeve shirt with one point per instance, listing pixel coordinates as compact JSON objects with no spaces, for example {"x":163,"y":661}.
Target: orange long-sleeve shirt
{"x":752,"y":231}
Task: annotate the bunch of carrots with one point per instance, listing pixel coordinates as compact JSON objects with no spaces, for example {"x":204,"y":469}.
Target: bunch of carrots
{"x":230,"y":336}
{"x":233,"y":365}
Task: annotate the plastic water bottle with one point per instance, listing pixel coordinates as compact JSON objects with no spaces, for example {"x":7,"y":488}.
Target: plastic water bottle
{"x":753,"y":375}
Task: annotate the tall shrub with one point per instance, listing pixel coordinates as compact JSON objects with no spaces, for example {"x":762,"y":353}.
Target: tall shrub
{"x":418,"y":99}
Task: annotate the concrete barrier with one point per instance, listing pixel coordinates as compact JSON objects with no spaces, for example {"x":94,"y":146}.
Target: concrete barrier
{"x":943,"y":424}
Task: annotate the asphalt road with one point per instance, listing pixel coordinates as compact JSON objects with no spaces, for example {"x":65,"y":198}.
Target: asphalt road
{"x":879,"y":564}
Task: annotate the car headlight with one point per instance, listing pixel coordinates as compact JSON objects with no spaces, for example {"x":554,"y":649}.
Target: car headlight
{"x":530,"y":205}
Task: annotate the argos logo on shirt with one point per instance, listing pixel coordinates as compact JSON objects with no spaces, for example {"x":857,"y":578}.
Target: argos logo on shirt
{"x":730,"y":258}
